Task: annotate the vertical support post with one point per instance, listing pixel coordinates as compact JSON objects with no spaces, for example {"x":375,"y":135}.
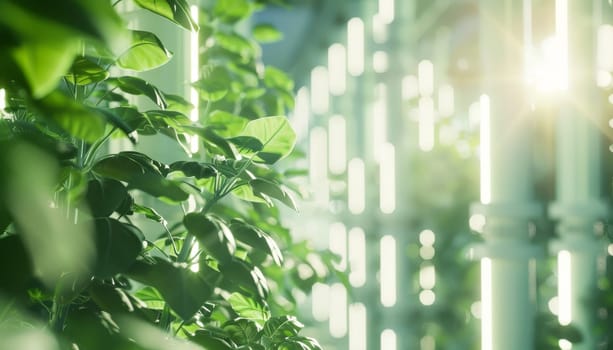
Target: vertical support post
{"x":579,"y":204}
{"x":508,"y":298}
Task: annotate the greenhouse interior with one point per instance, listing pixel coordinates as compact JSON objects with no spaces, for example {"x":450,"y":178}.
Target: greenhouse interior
{"x":285,"y":174}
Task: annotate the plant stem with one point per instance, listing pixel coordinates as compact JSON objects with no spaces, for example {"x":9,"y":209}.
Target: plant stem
{"x":89,"y":157}
{"x":59,"y":312}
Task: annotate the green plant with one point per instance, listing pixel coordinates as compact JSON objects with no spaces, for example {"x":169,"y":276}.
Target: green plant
{"x":74,"y":251}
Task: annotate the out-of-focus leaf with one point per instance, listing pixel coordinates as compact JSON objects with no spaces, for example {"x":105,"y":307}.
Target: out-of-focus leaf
{"x":215,"y":83}
{"x":270,"y":189}
{"x":257,"y":239}
{"x":196,"y":169}
{"x":249,"y":308}
{"x":85,"y":72}
{"x":213,"y":142}
{"x":232,"y":10}
{"x":177,"y":11}
{"x":118,"y":244}
{"x":104,"y":196}
{"x":226,"y":124}
{"x":212,"y":234}
{"x":138,"y":86}
{"x":178,"y":104}
{"x":212,"y":341}
{"x":144,"y":53}
{"x":266,"y":33}
{"x":276,"y":78}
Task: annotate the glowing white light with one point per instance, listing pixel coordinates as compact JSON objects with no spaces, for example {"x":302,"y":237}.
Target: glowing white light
{"x":379,"y":120}
{"x":427,"y":237}
{"x":425,"y":75}
{"x":356,"y":186}
{"x":387,"y":179}
{"x":604,"y":54}
{"x":610,"y":99}
{"x":427,"y":343}
{"x":603,"y":78}
{"x":475,"y":309}
{"x":426,"y":124}
{"x":2,"y":99}
{"x":320,"y":295}
{"x":194,"y":75}
{"x":564,"y":287}
{"x":486,"y":304}
{"x":564,"y":344}
{"x":554,"y":305}
{"x":427,"y":297}
{"x":338,"y":244}
{"x":476,"y":222}
{"x":410,"y":87}
{"x":301,"y":113}
{"x":610,"y":249}
{"x":379,"y":30}
{"x":427,"y":252}
{"x":357,"y":257}
{"x":388,"y":340}
{"x":387,"y":267}
{"x":386,"y":11}
{"x":485,"y":149}
{"x":337,"y":136}
{"x":445,"y":100}
{"x":338,"y":310}
{"x":380,"y":62}
{"x":427,"y":276}
{"x":355,"y":46}
{"x":357,"y":326}
{"x":337,"y":68}
{"x":318,"y":164}
{"x":320,"y":98}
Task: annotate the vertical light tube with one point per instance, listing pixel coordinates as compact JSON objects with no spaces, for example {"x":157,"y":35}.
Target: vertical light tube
{"x":357,"y":257}
{"x":486,"y":304}
{"x":357,"y":326}
{"x":338,"y":243}
{"x":379,"y":120}
{"x":2,"y":99}
{"x":426,"y":124}
{"x":337,"y":69}
{"x":380,"y":62}
{"x":386,"y":11}
{"x":320,"y":99}
{"x":410,"y":87}
{"x":446,"y":100}
{"x":425,"y":76}
{"x":562,"y":40}
{"x":338,"y":310}
{"x":355,"y":46}
{"x":387,"y":179}
{"x":194,"y":74}
{"x":387,"y":255}
{"x":564,"y":287}
{"x":301,"y":113}
{"x":337,"y":139}
{"x":485,"y":150}
{"x":388,"y":340}
{"x":356,"y":186}
{"x":318,"y":164}
{"x":320,"y":296}
{"x":379,"y":30}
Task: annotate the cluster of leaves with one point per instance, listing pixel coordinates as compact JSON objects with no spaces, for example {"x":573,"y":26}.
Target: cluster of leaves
{"x":73,"y":250}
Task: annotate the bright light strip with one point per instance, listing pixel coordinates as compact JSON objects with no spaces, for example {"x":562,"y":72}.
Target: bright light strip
{"x":380,"y":62}
{"x":562,"y":41}
{"x":387,"y":179}
{"x":355,"y":46}
{"x":604,"y":48}
{"x":527,"y":41}
{"x":356,"y":186}
{"x":320,"y":295}
{"x":337,"y":242}
{"x":357,"y":257}
{"x":337,"y":69}
{"x":379,"y":30}
{"x":485,"y":150}
{"x":338,"y":310}
{"x":194,"y":75}
{"x":386,"y":11}
{"x":426,"y":124}
{"x":427,"y":276}
{"x":195,"y":267}
{"x":318,"y":164}
{"x":301,"y":113}
{"x":337,"y":139}
{"x":387,"y":268}
{"x":564,"y":287}
{"x":2,"y":99}
{"x":486,"y":304}
{"x":357,"y":327}
{"x":379,"y":120}
{"x":410,"y":87}
{"x":388,"y":340}
{"x":446,"y":100}
{"x":425,"y":76}
{"x":320,"y":97}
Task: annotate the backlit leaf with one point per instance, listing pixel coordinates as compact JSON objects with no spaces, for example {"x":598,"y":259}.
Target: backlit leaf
{"x":177,"y":11}
{"x":145,"y":52}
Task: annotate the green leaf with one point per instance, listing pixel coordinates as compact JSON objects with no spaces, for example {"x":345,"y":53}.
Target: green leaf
{"x":266,"y":33}
{"x":149,"y":213}
{"x":214,"y":143}
{"x":104,"y":196}
{"x":118,"y":120}
{"x":276,"y":78}
{"x":151,"y":297}
{"x":78,"y":120}
{"x":184,"y":290}
{"x":280,"y":328}
{"x":211,"y":340}
{"x":259,"y":240}
{"x":166,"y":118}
{"x":177,"y":11}
{"x":232,"y":10}
{"x":145,"y":52}
{"x":215,"y":83}
{"x":118,"y":244}
{"x":196,"y":169}
{"x":235,"y":43}
{"x":85,"y":72}
{"x":248,"y":308}
{"x":138,"y":86}
{"x":275,"y":134}
{"x":178,"y":103}
{"x":264,"y":188}
{"x":242,"y":331}
{"x":247,"y":144}
{"x":15,"y":265}
{"x":213,"y":235}
{"x":109,"y":298}
{"x":240,"y":276}
{"x":226,"y":124}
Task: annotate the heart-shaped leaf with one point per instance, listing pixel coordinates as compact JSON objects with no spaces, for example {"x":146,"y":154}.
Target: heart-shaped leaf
{"x":104,"y":196}
{"x":175,"y":10}
{"x":138,"y":86}
{"x":249,"y":308}
{"x":145,"y":52}
{"x":276,"y":135}
{"x":213,"y":235}
{"x":118,"y":244}
{"x":85,"y":72}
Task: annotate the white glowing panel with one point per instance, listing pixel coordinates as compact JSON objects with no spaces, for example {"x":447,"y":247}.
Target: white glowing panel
{"x":337,"y":69}
{"x":604,"y":54}
{"x":337,"y":135}
{"x":195,"y":249}
{"x":387,"y":179}
{"x":194,"y":75}
{"x":355,"y":46}
{"x":320,"y":296}
{"x":410,"y":87}
{"x":357,"y":257}
{"x":386,"y":11}
{"x":387,"y":273}
{"x":486,"y":304}
{"x":388,"y":340}
{"x":426,"y":124}
{"x":477,"y":222}
{"x":379,"y":119}
{"x":427,"y":276}
{"x":380,"y":62}
{"x":318,"y":164}
{"x":357,"y":326}
{"x":2,"y":99}
{"x":379,"y":30}
{"x":445,"y":101}
{"x":356,"y":186}
{"x":320,"y":97}
{"x":485,"y":150}
{"x":338,"y":243}
{"x":562,"y":41}
{"x":564,"y":287}
{"x":427,"y":297}
{"x":338,"y":310}
{"x":301,"y":113}
{"x":425,"y":76}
